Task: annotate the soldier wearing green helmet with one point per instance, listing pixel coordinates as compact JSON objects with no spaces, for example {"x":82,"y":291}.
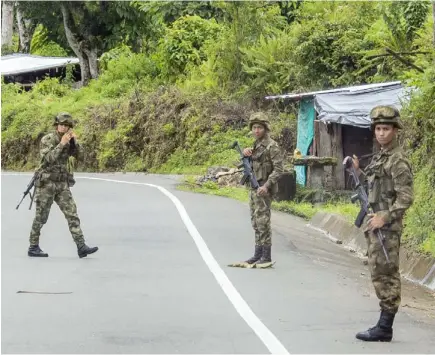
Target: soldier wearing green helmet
{"x":390,"y":193}
{"x":267,"y":165}
{"x":54,"y":182}
{"x":385,"y":115}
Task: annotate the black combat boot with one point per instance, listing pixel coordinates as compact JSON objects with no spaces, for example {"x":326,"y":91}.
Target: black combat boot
{"x":382,"y":331}
{"x":265,"y":257}
{"x":35,"y":250}
{"x":257,"y":254}
{"x":84,"y":250}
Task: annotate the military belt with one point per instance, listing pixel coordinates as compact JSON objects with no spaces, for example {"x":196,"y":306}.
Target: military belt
{"x":381,"y":206}
{"x":57,"y":177}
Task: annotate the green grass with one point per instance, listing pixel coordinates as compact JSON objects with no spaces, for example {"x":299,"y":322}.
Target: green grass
{"x":305,"y":210}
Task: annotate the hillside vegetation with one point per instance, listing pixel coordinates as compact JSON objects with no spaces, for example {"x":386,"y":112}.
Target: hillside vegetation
{"x":178,"y":80}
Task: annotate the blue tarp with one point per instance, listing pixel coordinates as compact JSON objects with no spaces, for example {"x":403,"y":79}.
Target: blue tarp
{"x":306,"y":117}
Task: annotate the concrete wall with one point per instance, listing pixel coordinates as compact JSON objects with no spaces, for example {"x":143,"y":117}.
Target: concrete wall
{"x":414,"y":267}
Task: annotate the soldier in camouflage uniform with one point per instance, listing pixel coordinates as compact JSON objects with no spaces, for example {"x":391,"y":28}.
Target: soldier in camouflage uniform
{"x":267,"y":165}
{"x":53,"y":184}
{"x":390,"y":192}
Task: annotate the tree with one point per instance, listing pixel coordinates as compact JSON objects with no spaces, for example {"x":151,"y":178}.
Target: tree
{"x":169,"y":11}
{"x":7,"y":23}
{"x":26,"y":29}
{"x":183,"y":44}
{"x":88,"y":28}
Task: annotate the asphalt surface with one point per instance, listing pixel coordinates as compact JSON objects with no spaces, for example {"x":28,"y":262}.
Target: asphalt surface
{"x":154,"y":286}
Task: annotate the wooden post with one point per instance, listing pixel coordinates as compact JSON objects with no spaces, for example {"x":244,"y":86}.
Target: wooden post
{"x":325,"y":150}
{"x":316,"y":148}
{"x":317,"y":181}
{"x":316,"y":139}
{"x":331,"y":145}
{"x":337,"y":152}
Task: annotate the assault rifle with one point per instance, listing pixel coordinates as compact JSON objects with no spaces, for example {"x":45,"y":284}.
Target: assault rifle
{"x":27,"y":191}
{"x":247,"y":169}
{"x":362,"y":197}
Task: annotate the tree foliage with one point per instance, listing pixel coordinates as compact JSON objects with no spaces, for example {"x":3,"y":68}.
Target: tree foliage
{"x":183,"y":44}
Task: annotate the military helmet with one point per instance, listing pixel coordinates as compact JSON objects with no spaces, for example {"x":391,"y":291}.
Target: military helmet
{"x":385,"y":115}
{"x":64,"y":118}
{"x":260,"y":118}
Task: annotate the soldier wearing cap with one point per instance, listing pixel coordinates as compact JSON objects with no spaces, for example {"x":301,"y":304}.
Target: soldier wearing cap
{"x":54,"y":182}
{"x":390,"y":192}
{"x":267,"y":165}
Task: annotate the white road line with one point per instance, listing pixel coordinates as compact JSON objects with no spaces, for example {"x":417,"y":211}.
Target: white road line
{"x":264,"y":334}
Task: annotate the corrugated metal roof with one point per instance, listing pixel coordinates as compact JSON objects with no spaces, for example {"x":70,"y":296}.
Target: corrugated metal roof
{"x":20,"y":63}
{"x":296,"y":97}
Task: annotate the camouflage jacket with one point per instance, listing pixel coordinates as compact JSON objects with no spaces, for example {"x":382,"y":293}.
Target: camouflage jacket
{"x":390,"y":185}
{"x":267,"y":162}
{"x":54,"y":156}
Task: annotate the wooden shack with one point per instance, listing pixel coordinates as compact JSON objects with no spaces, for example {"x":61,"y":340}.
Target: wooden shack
{"x":335,"y":123}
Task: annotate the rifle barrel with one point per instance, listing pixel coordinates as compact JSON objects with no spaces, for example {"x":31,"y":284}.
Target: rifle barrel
{"x":364,"y":200}
{"x":19,"y":203}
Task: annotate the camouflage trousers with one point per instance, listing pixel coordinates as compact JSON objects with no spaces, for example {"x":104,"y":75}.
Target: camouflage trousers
{"x":385,"y":276}
{"x":60,"y":193}
{"x":260,"y":217}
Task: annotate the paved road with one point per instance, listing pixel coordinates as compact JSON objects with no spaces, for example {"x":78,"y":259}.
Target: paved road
{"x":159,"y":283}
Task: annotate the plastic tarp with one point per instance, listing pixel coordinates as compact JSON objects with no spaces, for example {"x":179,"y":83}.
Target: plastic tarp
{"x":24,"y":63}
{"x":306,"y":117}
{"x":353,"y":107}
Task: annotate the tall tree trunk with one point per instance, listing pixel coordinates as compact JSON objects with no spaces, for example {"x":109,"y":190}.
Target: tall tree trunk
{"x":26,"y":29}
{"x":83,"y":49}
{"x":76,"y":45}
{"x":93,"y":61}
{"x":7,"y":22}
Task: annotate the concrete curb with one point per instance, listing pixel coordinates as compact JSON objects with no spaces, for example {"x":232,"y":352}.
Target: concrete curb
{"x":416,"y":268}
